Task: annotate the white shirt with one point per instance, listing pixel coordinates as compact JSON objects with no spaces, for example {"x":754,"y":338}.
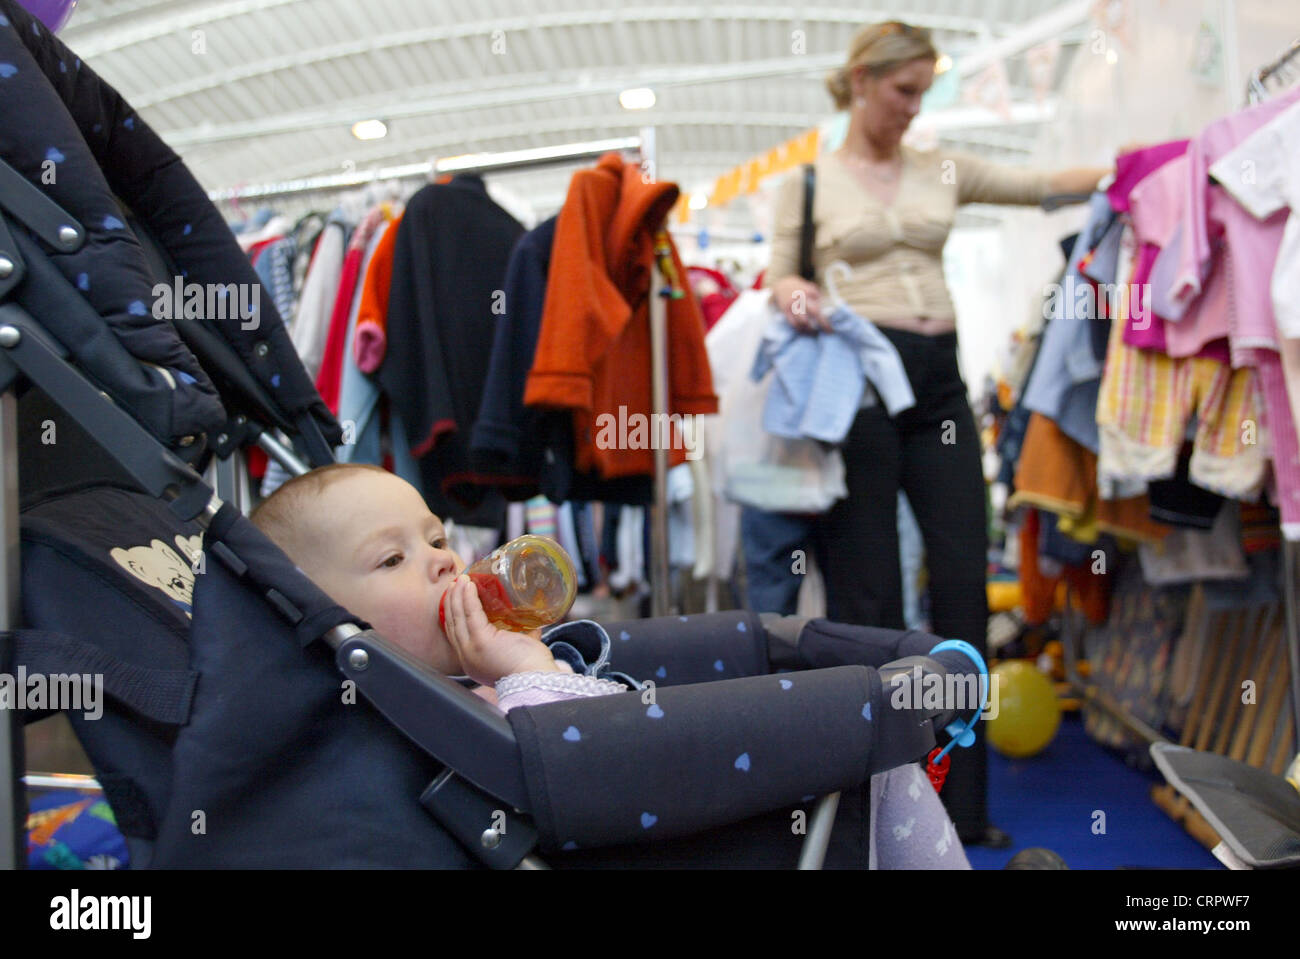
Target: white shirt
{"x":1263,"y":174}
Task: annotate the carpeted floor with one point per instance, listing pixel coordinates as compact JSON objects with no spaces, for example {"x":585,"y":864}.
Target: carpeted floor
{"x":1052,"y":800}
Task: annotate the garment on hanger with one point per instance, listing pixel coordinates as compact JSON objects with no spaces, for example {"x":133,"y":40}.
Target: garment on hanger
{"x":275,"y":270}
{"x":1213,"y":142}
{"x":1146,"y":400}
{"x":1180,"y":502}
{"x":1131,"y":169}
{"x":818,"y":381}
{"x":370,"y":341}
{"x":1066,"y":374}
{"x":1200,"y":329}
{"x":316,"y":303}
{"x":593,"y":350}
{"x":1038,"y":588}
{"x":306,"y":233}
{"x":1246,"y":261}
{"x":449,"y":263}
{"x":346,"y":300}
{"x":1269,"y":156}
{"x":1188,"y":555}
{"x":1061,"y":476}
{"x":1263,"y":319}
{"x":359,"y":398}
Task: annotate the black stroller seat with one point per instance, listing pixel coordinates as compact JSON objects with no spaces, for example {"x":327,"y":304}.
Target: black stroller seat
{"x":232,"y":739}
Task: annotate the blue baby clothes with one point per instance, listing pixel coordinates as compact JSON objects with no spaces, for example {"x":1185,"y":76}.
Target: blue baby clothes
{"x":817,"y":388}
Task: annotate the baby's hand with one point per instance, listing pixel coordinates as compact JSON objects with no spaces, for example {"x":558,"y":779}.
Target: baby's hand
{"x":487,"y":653}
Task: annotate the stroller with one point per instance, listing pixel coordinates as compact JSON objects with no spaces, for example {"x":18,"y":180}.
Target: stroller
{"x":249,"y":720}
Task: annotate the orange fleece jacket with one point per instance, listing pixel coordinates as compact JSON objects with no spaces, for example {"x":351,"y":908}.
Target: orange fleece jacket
{"x":370,"y":341}
{"x":593,"y":349}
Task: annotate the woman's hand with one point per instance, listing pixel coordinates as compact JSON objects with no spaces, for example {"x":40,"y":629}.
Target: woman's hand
{"x":487,"y":653}
{"x":801,"y":302}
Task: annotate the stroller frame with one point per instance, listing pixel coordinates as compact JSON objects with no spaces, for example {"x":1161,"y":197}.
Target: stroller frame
{"x":417,"y":700}
{"x":480,"y":779}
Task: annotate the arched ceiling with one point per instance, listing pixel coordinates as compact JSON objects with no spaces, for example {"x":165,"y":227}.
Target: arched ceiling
{"x":253,"y":91}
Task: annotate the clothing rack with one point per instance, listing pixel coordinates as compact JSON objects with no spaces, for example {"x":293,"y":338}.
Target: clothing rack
{"x":1072,"y":634}
{"x":1256,"y":92}
{"x":644,"y":145}
{"x":469,"y":163}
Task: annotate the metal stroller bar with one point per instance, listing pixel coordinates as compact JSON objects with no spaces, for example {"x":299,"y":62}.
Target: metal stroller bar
{"x":13,"y":803}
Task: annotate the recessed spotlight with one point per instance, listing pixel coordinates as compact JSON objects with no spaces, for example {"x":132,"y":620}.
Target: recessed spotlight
{"x":638,"y":98}
{"x":943,"y":64}
{"x":699,"y":201}
{"x":370,"y":129}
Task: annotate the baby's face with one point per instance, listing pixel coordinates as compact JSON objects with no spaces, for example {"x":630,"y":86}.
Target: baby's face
{"x":378,"y":551}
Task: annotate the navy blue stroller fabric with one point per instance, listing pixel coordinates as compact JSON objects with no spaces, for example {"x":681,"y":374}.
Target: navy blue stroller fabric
{"x":99,"y":615}
{"x":251,"y":752}
{"x":669,"y":651}
{"x":696,"y":757}
{"x":72,"y":136}
{"x":277,"y":768}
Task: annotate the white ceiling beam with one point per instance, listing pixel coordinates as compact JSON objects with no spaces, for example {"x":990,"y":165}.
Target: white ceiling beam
{"x":90,"y":41}
{"x":483,"y":29}
{"x":470,"y":96}
{"x":949,"y":124}
{"x":505,"y":135}
{"x":161,"y":23}
{"x":1055,"y":23}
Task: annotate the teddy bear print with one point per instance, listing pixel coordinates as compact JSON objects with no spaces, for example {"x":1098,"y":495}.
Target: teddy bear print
{"x":159,"y":566}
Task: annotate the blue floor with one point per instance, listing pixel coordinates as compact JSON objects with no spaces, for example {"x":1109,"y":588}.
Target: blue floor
{"x":1052,"y":799}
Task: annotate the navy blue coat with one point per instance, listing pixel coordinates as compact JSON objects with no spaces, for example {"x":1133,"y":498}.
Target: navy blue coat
{"x":74,"y":137}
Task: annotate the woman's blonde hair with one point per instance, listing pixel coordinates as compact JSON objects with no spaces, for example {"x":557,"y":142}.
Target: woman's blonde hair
{"x":880,"y":48}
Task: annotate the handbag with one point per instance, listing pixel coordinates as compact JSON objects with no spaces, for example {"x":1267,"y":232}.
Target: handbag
{"x":808,"y":231}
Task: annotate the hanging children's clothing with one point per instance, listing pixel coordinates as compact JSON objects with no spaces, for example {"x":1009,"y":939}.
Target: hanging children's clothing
{"x":346,"y":300}
{"x":449,"y":264}
{"x":1257,"y":176}
{"x":359,"y":397}
{"x":593,"y":350}
{"x":316,"y":302}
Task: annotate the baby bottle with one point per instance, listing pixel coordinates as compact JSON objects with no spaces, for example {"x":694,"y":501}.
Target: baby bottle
{"x":526,"y":584}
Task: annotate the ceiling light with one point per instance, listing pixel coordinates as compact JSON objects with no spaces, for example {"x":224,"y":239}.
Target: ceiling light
{"x":1112,"y":56}
{"x":699,"y":201}
{"x":370,"y":129}
{"x":943,"y":64}
{"x":639,"y":98}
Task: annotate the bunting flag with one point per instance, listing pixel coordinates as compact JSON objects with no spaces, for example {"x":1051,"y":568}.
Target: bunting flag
{"x":748,"y":177}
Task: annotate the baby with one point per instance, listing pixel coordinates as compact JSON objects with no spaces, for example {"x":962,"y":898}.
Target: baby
{"x":367,"y":539}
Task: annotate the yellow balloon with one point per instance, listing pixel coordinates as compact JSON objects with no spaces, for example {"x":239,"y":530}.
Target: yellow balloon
{"x":1028,"y":712}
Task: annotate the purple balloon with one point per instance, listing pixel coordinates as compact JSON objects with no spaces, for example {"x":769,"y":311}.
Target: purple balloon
{"x":53,"y":13}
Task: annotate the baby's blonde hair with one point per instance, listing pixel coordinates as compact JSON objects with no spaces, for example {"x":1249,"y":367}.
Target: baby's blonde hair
{"x":283,"y":514}
{"x":880,"y":47}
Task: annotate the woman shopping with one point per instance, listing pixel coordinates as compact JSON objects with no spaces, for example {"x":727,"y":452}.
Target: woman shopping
{"x":885,"y":210}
